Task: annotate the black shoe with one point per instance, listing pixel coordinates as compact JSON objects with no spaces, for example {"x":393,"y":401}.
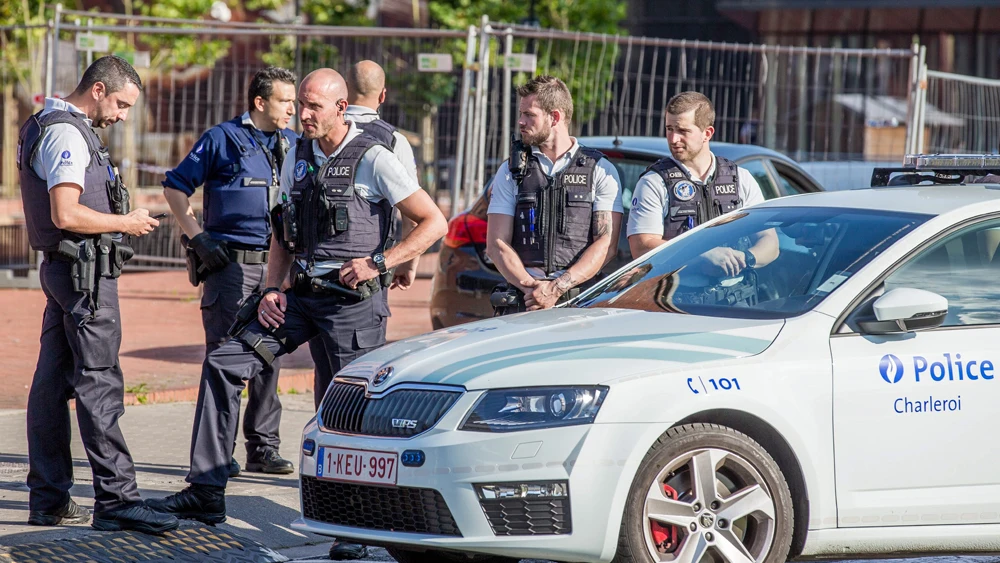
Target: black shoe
{"x":234,"y":468}
{"x":270,"y":462}
{"x":343,"y":551}
{"x":135,"y":516}
{"x":196,"y":502}
{"x":70,"y":513}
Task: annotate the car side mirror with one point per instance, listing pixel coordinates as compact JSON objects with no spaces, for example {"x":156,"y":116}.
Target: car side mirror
{"x":906,"y":309}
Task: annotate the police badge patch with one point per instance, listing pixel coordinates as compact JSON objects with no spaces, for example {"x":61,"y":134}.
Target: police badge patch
{"x":684,"y":191}
{"x":300,"y":170}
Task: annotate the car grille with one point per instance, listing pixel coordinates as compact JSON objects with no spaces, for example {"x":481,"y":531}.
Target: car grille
{"x":398,"y":509}
{"x":528,"y":517}
{"x":397,"y":414}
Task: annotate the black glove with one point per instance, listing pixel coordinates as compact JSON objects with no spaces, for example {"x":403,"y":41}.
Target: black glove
{"x":212,"y":252}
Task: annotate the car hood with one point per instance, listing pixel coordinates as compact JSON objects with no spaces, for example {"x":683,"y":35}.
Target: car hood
{"x":562,"y":346}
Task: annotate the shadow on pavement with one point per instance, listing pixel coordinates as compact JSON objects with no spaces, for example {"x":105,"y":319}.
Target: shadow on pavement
{"x":195,"y":354}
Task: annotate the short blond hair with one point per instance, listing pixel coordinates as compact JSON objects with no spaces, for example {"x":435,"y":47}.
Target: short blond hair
{"x":704,"y":111}
{"x":551,"y":93}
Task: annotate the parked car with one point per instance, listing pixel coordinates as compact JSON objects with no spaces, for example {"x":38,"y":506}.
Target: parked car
{"x":836,"y":402}
{"x":465,"y":276}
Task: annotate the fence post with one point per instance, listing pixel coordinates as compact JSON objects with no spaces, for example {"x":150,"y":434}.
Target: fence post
{"x":463,"y":118}
{"x":48,"y":60}
{"x":482,"y":104}
{"x":921,"y":100}
{"x":55,"y":47}
{"x":508,"y":49}
{"x":911,"y":100}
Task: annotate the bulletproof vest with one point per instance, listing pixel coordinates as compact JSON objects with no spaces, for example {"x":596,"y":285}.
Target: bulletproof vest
{"x":690,"y":204}
{"x":381,"y":130}
{"x":552,"y":216}
{"x":334,"y":221}
{"x":238,"y":195}
{"x":100,"y":180}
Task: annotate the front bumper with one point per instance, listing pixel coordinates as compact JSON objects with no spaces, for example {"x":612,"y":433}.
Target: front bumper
{"x":596,"y":461}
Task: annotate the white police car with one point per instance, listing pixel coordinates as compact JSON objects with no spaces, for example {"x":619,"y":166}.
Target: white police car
{"x":835,"y":400}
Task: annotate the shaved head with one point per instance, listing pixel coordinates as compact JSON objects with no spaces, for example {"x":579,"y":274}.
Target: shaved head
{"x":365,"y":83}
{"x":325,"y":82}
{"x":322,"y":103}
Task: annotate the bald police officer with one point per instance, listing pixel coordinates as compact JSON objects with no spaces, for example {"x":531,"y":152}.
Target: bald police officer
{"x":238,"y":162}
{"x":75,"y":208}
{"x":338,"y":189}
{"x":556,"y":206}
{"x":692,"y":186}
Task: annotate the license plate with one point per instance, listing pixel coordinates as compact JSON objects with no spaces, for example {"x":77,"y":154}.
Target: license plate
{"x":357,"y":466}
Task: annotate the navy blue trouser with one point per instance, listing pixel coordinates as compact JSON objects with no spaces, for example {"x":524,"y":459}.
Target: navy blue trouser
{"x":224,"y":291}
{"x":348,"y":330}
{"x":78,"y":357}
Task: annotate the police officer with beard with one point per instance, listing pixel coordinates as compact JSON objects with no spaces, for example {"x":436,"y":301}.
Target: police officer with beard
{"x":338,"y":189}
{"x":76,"y":208}
{"x":555,"y":208}
{"x":239,"y":162}
{"x":692,"y":186}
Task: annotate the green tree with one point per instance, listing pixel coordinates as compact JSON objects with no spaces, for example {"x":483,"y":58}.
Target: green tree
{"x":23,"y":50}
{"x":318,"y":52}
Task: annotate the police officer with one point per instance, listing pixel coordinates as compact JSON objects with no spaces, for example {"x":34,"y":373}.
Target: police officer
{"x":76,"y":207}
{"x":338,"y":188}
{"x":692,"y":186}
{"x":239,"y":162}
{"x":556,"y":206}
{"x":365,"y":93}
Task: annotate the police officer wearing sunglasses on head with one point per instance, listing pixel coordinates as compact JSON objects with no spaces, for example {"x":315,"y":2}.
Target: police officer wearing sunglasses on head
{"x":76,"y":209}
{"x":338,"y":188}
{"x":555,"y":207}
{"x":239,"y":162}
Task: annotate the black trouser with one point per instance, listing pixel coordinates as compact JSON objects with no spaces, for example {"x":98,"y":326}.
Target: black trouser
{"x":223,"y":292}
{"x":78,"y":356}
{"x":348,"y":330}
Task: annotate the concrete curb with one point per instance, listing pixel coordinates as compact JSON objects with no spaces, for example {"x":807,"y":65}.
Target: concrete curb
{"x":299,"y":382}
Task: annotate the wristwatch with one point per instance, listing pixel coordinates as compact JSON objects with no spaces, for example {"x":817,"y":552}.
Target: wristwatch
{"x":750,"y":259}
{"x":380,"y":263}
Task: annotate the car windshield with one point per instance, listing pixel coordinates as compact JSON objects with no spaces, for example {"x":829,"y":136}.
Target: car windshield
{"x":803,"y":254}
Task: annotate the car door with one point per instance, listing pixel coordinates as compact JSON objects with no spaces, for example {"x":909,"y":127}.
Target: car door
{"x":914,"y":412}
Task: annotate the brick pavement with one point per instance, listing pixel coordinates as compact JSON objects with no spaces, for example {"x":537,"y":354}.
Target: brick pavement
{"x":163,"y":342}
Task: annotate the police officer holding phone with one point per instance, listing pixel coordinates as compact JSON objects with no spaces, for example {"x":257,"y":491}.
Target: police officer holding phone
{"x":338,"y":190}
{"x":76,"y":209}
{"x":239,"y":162}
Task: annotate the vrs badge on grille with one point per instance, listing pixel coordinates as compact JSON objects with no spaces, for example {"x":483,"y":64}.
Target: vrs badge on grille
{"x":404,"y":423}
{"x":382,"y":375}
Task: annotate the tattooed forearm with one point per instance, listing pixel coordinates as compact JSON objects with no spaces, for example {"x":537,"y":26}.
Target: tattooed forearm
{"x":564,"y":282}
{"x":601,"y":224}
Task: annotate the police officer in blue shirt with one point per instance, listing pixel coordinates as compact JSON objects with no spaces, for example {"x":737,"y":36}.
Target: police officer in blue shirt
{"x":326,"y":274}
{"x":76,"y":209}
{"x":239,"y":162}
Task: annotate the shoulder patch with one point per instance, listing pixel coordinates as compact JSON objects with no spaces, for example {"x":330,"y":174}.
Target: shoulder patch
{"x":684,"y":190}
{"x":65,"y":154}
{"x":300,"y":170}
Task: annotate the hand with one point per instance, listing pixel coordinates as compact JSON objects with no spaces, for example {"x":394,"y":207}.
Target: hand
{"x":543,"y":296}
{"x":138,"y":223}
{"x":358,"y":271}
{"x":404,"y":275}
{"x":212,"y":252}
{"x":271,"y":311}
{"x":724,"y":260}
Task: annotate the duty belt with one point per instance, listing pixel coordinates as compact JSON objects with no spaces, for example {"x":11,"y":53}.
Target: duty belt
{"x":55,"y":256}
{"x":248,"y":256}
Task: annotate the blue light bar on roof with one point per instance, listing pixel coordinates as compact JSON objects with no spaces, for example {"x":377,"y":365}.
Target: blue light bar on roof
{"x":954,"y":161}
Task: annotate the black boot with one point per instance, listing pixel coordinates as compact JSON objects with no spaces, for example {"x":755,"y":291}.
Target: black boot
{"x":134,"y":516}
{"x":234,"y":468}
{"x":343,"y":551}
{"x":268,"y":461}
{"x":197,"y":502}
{"x":70,"y":513}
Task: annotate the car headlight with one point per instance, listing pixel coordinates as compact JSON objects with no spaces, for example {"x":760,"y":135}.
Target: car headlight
{"x":531,"y":408}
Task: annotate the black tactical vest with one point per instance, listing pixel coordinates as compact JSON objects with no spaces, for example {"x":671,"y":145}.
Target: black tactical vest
{"x":552,"y":216}
{"x":688,"y":203}
{"x":102,"y":189}
{"x":381,"y":130}
{"x":335,"y":222}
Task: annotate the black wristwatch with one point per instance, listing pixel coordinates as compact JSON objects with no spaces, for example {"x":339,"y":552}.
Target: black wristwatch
{"x":270,"y":289}
{"x":380,"y":263}
{"x":750,"y":259}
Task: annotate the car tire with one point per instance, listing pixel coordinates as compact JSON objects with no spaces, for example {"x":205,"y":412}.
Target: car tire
{"x":748,"y":516}
{"x":432,"y":556}
{"x":436,"y":323}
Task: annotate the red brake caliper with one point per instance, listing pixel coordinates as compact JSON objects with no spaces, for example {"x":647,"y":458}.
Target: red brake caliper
{"x":665,"y":537}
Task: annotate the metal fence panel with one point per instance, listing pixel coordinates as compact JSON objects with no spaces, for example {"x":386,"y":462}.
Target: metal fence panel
{"x":961,"y":114}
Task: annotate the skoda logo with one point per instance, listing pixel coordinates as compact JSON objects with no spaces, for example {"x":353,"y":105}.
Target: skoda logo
{"x":891,"y":368}
{"x":382,"y":375}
